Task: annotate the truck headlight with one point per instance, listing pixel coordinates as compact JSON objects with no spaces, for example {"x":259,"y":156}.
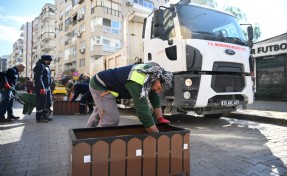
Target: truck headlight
{"x":188,"y":82}
{"x":186,"y":95}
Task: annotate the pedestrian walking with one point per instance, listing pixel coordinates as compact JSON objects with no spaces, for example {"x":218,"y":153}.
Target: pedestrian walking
{"x":42,"y":81}
{"x":9,"y":80}
{"x":139,"y":82}
{"x":29,"y":86}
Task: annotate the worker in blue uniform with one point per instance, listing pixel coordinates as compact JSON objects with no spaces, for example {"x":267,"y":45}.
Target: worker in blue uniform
{"x":8,"y":81}
{"x":42,"y":81}
{"x":82,"y":89}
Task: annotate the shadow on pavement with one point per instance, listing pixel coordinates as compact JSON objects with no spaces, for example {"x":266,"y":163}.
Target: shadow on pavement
{"x":232,"y":147}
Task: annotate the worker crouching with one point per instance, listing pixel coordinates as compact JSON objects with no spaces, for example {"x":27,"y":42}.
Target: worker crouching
{"x":139,"y":82}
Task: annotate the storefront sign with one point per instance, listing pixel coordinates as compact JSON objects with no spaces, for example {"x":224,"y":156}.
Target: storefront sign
{"x":268,"y":49}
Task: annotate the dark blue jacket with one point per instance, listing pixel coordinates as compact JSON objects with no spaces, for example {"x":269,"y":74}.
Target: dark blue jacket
{"x":115,"y":80}
{"x":81,"y":88}
{"x":10,"y":76}
{"x":42,"y":75}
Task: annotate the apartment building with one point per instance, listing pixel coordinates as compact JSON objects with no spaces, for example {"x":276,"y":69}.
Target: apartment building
{"x":3,"y":63}
{"x":44,"y":35}
{"x":27,"y":42}
{"x":17,"y":55}
{"x":91,"y":29}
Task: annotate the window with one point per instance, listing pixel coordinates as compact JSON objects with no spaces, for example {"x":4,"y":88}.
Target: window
{"x":111,"y":26}
{"x":144,"y":3}
{"x":109,"y":44}
{"x":67,"y":53}
{"x":68,"y":9}
{"x":83,"y":44}
{"x":82,"y":62}
{"x":97,"y":21}
{"x":82,"y":28}
{"x":67,"y":23}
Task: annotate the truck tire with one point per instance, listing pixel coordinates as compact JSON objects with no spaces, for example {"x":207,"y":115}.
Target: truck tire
{"x":213,"y":116}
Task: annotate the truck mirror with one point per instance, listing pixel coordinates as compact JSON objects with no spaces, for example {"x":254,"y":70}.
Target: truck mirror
{"x":158,"y":23}
{"x":158,"y":18}
{"x":250,"y":32}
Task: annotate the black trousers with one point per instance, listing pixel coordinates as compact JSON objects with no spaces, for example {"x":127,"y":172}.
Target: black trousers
{"x":43,"y":101}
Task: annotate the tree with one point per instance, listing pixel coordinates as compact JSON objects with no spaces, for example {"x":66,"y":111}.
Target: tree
{"x":241,"y":17}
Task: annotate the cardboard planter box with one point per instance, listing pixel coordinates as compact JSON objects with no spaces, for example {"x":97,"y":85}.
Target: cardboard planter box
{"x":129,"y":151}
{"x":66,"y":108}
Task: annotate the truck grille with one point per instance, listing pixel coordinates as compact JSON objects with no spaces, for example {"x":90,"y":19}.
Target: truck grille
{"x":227,"y":83}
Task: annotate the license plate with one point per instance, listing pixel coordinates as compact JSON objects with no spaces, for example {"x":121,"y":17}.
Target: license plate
{"x":229,"y":102}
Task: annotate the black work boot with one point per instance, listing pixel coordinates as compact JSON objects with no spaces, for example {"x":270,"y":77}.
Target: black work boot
{"x":40,"y":118}
{"x":46,"y":113}
{"x":91,"y":108}
{"x":82,"y":109}
{"x":3,"y":120}
{"x":12,"y":117}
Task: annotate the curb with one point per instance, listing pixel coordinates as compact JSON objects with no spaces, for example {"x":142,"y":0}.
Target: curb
{"x":269,"y":120}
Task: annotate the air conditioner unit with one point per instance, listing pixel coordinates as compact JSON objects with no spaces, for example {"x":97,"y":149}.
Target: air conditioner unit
{"x":80,"y":17}
{"x":129,"y":3}
{"x":80,"y":1}
{"x":82,"y":50}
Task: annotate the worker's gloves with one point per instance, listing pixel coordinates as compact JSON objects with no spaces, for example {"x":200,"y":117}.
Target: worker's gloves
{"x":7,"y":86}
{"x":43,"y":91}
{"x":163,"y":120}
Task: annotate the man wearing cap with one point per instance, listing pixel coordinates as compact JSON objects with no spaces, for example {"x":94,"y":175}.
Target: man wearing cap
{"x":139,"y":82}
{"x":8,"y":80}
{"x":42,"y":81}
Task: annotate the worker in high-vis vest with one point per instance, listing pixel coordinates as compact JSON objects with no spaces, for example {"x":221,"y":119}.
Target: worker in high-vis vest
{"x":139,"y":82}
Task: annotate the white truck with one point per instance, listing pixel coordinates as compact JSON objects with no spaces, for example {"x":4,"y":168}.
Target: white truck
{"x":208,"y":54}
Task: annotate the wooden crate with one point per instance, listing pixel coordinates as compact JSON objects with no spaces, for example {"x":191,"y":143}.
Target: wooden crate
{"x":129,"y":151}
{"x":66,"y":108}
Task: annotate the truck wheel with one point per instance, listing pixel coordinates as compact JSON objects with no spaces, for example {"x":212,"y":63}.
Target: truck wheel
{"x":213,"y":116}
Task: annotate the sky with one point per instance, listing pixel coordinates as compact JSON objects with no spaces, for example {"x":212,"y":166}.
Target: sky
{"x":14,"y":13}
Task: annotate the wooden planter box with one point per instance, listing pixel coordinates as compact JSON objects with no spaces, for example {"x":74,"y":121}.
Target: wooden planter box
{"x":129,"y":151}
{"x":66,"y":108}
{"x":59,"y":97}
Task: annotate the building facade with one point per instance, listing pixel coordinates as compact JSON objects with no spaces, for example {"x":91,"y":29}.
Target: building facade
{"x":17,"y":55}
{"x":27,"y":44}
{"x":44,"y":35}
{"x":89,"y":30}
{"x":270,"y":61}
{"x":4,"y":63}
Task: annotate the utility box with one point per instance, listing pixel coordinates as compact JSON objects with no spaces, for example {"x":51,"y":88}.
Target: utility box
{"x":67,"y":108}
{"x":129,"y":151}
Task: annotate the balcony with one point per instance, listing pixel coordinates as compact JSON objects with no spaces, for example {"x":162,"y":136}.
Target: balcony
{"x":48,"y":16}
{"x":48,"y":36}
{"x":48,"y":46}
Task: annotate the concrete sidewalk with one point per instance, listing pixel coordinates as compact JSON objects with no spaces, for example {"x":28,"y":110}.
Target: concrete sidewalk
{"x":263,"y":111}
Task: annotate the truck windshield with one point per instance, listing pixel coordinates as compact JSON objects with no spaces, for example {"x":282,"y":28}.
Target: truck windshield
{"x":201,"y":23}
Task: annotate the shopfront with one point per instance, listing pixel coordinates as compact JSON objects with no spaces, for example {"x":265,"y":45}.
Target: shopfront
{"x":270,"y":62}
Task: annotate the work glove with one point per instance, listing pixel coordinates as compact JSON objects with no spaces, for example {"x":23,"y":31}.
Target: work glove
{"x":7,"y":86}
{"x":163,"y":120}
{"x":42,"y":91}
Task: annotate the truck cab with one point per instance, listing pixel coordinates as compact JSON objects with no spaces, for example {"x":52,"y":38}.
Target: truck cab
{"x":208,"y":54}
